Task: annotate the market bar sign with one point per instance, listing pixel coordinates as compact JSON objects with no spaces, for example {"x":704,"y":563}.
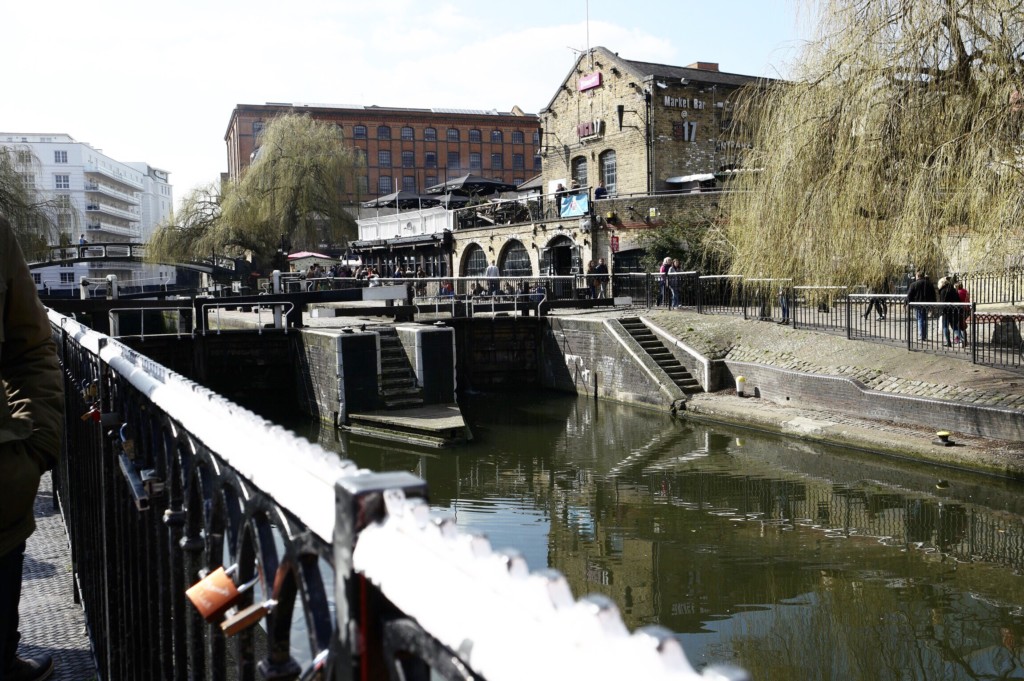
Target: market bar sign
{"x":589,"y":81}
{"x":588,"y":129}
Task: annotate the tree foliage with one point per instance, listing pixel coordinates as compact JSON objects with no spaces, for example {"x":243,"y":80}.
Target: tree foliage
{"x":898,"y":143}
{"x":35,"y":217}
{"x":291,"y":190}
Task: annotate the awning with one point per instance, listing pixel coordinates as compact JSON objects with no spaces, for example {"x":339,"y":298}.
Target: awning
{"x":402,"y":241}
{"x":700,"y":177}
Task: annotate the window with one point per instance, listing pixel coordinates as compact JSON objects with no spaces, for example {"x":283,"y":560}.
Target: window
{"x":24,"y":157}
{"x":257,"y":128}
{"x":430,"y":180}
{"x":408,"y":159}
{"x":453,"y":134}
{"x":474,"y":261}
{"x":359,"y":132}
{"x":37,"y":278}
{"x":67,"y":277}
{"x":430,"y":159}
{"x":407,"y":134}
{"x":429,"y":134}
{"x":384,"y":185}
{"x":518,"y":137}
{"x":496,"y":137}
{"x":579,"y":170}
{"x":518,"y":162}
{"x":62,"y":182}
{"x":363,"y":185}
{"x":474,"y":135}
{"x":409,"y":184}
{"x":28,"y":180}
{"x":383,"y":132}
{"x":516,"y":262}
{"x":384,"y":158}
{"x":496,"y":161}
{"x":453,"y":159}
{"x":475,"y":160}
{"x":608,"y":171}
{"x":537,"y":163}
{"x":60,"y":157}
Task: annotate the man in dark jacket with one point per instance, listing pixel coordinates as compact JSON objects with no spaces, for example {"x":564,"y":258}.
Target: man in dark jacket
{"x":921,"y":291}
{"x":31,"y":419}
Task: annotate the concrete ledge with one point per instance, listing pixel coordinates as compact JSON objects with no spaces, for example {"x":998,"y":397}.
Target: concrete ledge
{"x":907,"y":443}
{"x":812,"y":391}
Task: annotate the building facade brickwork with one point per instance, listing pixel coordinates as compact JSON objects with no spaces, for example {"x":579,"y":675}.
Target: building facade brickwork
{"x":636,"y":126}
{"x":406,"y":148}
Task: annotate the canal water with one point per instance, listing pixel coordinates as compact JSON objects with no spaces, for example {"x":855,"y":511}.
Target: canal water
{"x":794,"y":561}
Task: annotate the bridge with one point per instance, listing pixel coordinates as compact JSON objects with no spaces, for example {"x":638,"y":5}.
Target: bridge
{"x":334,"y":572}
{"x":217,"y":265}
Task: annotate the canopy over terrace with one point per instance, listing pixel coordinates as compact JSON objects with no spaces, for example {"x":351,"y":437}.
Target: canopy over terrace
{"x":471,"y":184}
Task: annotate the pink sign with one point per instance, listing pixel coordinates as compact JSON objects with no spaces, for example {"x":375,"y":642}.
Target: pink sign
{"x":589,"y":81}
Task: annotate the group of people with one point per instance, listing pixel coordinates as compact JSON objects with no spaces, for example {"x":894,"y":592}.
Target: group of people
{"x":954,"y":316}
{"x":597,"y":278}
{"x":668,"y":285}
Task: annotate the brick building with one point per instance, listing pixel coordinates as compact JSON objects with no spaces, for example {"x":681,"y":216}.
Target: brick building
{"x":637,"y":126}
{"x":408,"y":149}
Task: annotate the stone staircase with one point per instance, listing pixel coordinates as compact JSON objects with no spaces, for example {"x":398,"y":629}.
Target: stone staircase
{"x":398,"y":388}
{"x":657,"y":351}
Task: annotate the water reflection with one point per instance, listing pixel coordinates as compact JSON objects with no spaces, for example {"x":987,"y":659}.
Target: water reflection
{"x":788,"y":559}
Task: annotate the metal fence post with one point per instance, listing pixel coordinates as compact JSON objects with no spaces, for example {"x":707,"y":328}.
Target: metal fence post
{"x":359,"y":501}
{"x":849,"y":318}
{"x":973,"y":340}
{"x":909,"y":325}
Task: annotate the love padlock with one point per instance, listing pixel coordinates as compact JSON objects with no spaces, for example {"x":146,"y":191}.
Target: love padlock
{"x":216,"y":592}
{"x":93,"y":414}
{"x":245,"y":618}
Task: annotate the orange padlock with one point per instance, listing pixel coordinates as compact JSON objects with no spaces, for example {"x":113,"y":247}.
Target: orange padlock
{"x":213,"y":594}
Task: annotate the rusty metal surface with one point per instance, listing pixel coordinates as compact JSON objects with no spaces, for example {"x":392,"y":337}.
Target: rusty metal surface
{"x":50,"y":621}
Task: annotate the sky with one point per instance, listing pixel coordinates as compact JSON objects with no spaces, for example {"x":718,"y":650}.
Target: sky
{"x":157,"y":81}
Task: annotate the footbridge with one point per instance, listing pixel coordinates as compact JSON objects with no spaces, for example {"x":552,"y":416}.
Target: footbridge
{"x":172,"y":494}
{"x":216,"y":265}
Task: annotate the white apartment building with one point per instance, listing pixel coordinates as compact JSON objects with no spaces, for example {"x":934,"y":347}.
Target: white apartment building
{"x":108,"y":200}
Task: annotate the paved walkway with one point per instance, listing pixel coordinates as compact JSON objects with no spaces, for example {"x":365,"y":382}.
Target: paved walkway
{"x":50,"y":620}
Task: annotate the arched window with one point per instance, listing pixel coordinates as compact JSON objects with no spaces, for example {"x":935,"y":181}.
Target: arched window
{"x":608,"y":171}
{"x":453,"y":135}
{"x":474,"y":135}
{"x":474,"y":261}
{"x":579,"y":170}
{"x":383,"y":132}
{"x":517,"y":137}
{"x":359,"y":132}
{"x":496,"y":137}
{"x":516,"y":261}
{"x":429,"y":134}
{"x":407,"y":134}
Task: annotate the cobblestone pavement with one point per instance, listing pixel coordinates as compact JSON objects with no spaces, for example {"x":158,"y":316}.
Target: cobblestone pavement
{"x":50,"y":620}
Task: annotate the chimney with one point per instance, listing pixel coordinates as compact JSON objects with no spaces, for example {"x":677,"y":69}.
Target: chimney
{"x":704,"y":66}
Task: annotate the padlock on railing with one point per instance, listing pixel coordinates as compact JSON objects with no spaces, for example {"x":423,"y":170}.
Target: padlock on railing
{"x":246,"y":617}
{"x":216,"y":592}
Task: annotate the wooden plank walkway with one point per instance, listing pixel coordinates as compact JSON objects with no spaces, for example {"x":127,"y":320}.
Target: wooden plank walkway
{"x":50,"y":621}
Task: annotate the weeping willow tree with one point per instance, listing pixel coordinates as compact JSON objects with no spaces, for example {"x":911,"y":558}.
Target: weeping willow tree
{"x":291,"y":192}
{"x":898,"y":143}
{"x":38,"y":219}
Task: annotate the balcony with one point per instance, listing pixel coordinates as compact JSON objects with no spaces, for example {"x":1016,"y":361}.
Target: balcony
{"x":101,"y":227}
{"x":107,"y":190}
{"x":128,"y":181}
{"x":92,"y":209}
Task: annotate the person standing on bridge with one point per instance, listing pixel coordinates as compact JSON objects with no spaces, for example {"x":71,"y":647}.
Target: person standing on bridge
{"x":31,"y":420}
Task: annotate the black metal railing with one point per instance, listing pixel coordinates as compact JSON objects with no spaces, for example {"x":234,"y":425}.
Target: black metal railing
{"x":162,"y":482}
